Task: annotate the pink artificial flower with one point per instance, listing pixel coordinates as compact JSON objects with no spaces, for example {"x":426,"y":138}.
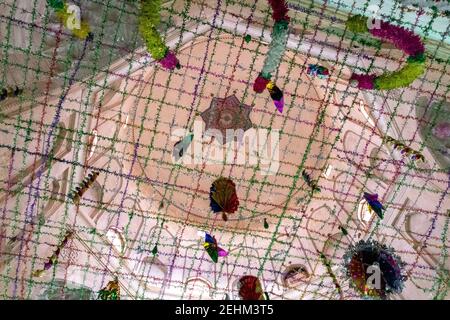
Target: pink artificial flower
{"x":170,"y":61}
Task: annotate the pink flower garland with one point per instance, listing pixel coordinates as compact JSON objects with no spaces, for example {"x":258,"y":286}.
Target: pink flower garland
{"x":404,"y":40}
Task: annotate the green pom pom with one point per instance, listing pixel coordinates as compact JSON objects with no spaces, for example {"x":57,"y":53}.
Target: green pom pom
{"x":357,"y":24}
{"x":401,"y":78}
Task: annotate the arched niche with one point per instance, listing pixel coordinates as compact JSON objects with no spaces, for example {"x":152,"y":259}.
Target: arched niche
{"x":295,"y":275}
{"x":98,"y":200}
{"x":350,"y":198}
{"x":417,"y":227}
{"x":369,"y":156}
{"x":154,"y":269}
{"x":197,"y":288}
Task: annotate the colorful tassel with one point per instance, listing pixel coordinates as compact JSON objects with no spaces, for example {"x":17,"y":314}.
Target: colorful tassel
{"x":277,"y":96}
{"x":213,"y":250}
{"x":374,"y":204}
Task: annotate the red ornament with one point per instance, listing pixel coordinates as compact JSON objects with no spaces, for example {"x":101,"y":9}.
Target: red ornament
{"x":250,"y":288}
{"x":260,"y":84}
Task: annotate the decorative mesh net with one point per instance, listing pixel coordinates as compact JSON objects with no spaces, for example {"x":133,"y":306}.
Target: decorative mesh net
{"x":97,"y":202}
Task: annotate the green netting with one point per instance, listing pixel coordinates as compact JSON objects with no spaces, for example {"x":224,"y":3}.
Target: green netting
{"x":104,"y":106}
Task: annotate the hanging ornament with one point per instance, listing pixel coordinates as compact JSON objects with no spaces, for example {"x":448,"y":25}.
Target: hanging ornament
{"x":250,"y":288}
{"x":223,"y":197}
{"x":276,"y":95}
{"x":312,"y":184}
{"x":53,"y":260}
{"x":248,"y":38}
{"x":266,"y":225}
{"x":155,"y":250}
{"x":181,"y":146}
{"x":373,"y":269}
{"x":149,"y":20}
{"x":327,"y":264}
{"x":374,"y":204}
{"x":320,"y":72}
{"x":111,"y":291}
{"x":85,"y":185}
{"x":405,"y":150}
{"x":277,"y":47}
{"x":404,"y":40}
{"x":211,"y":247}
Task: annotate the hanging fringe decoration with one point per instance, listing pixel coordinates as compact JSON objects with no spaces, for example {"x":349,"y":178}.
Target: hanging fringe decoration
{"x":280,"y":34}
{"x":312,"y":184}
{"x":405,"y":150}
{"x":374,"y":204}
{"x":149,"y":20}
{"x":327,"y":264}
{"x":10,"y":92}
{"x":320,"y":72}
{"x":223,"y":197}
{"x":111,"y":291}
{"x":53,"y":260}
{"x":181,"y":146}
{"x":404,"y":40}
{"x":85,"y":185}
{"x":213,"y":250}
{"x":80,"y":29}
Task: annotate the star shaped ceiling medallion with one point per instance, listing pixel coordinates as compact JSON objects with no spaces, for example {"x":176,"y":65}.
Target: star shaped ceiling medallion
{"x":227,"y":114}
